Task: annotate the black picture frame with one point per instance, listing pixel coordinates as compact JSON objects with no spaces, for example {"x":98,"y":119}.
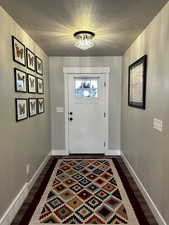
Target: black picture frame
{"x":30,"y":58}
{"x":18,"y":114}
{"x":21,"y":81}
{"x":137,"y":83}
{"x":38,"y":70}
{"x":40,"y":90}
{"x":18,"y":48}
{"x":31,"y":113}
{"x":33,"y":90}
{"x":40,"y":111}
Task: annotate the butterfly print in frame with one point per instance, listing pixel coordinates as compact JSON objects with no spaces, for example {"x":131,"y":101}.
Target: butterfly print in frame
{"x":39,"y":66}
{"x":31,"y":83}
{"x":40,"y":86}
{"x":32,"y":106}
{"x":20,"y":80}
{"x":32,"y":102}
{"x":40,"y":105}
{"x":21,"y":109}
{"x":30,"y":57}
{"x":18,"y":50}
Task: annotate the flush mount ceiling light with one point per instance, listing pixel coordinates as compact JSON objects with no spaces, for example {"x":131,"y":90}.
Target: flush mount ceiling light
{"x":84,"y":39}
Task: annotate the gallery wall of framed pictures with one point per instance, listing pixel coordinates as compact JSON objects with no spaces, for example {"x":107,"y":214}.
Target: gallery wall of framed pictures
{"x":28,"y":81}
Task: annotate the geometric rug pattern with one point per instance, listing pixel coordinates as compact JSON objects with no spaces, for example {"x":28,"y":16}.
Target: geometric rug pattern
{"x":84,"y":192}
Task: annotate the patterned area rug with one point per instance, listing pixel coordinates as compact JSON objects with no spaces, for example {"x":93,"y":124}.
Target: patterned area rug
{"x":82,"y":191}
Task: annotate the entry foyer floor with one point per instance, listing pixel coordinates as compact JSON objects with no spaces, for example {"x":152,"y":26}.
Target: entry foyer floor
{"x":96,"y":212}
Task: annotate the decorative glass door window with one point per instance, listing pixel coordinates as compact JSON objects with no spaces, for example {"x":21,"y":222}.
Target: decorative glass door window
{"x":86,"y":87}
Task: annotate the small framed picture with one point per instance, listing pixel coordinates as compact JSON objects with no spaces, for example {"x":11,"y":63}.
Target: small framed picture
{"x":30,"y":57}
{"x":137,"y":83}
{"x":39,"y":66}
{"x":40,"y":86}
{"x":32,"y":103}
{"x":21,"y":109}
{"x":31,"y":83}
{"x":41,"y":107}
{"x":20,"y":80}
{"x":18,"y":50}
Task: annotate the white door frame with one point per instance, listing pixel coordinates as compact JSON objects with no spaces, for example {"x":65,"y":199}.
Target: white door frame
{"x":84,"y":70}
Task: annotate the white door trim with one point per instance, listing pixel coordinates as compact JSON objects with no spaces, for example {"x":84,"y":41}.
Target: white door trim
{"x":84,"y":70}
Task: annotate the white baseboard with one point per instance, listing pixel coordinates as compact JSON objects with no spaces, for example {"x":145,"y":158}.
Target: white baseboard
{"x":147,"y":197}
{"x":113,"y":152}
{"x":37,"y":172}
{"x":62,"y":152}
{"x":14,"y":207}
{"x":12,"y":210}
{"x":58,"y":152}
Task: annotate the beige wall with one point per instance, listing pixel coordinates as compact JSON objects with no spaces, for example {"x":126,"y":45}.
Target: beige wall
{"x":146,"y":149}
{"x":56,"y":77}
{"x":23,"y":142}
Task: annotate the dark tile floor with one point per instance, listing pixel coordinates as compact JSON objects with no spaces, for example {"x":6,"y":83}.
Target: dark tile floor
{"x":144,"y":215}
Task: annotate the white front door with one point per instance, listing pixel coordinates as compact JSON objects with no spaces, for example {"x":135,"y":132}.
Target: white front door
{"x":86,"y":114}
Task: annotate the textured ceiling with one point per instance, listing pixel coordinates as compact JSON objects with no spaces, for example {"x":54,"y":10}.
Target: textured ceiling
{"x":51,"y":23}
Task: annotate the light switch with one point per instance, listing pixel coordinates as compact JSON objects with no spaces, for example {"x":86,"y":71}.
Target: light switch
{"x":59,"y":109}
{"x":158,"y":124}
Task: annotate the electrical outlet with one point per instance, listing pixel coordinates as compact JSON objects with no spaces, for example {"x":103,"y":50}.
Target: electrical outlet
{"x":158,"y":124}
{"x":59,"y":109}
{"x":27,"y":169}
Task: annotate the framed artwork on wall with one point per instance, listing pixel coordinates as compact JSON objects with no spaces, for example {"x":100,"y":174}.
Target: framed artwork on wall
{"x":21,"y":109}
{"x":32,"y":103}
{"x":39,"y":66}
{"x":40,"y":86}
{"x":30,"y":57}
{"x":41,"y":107}
{"x":18,"y":50}
{"x":137,"y":83}
{"x":20,"y":80}
{"x":31,"y":83}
